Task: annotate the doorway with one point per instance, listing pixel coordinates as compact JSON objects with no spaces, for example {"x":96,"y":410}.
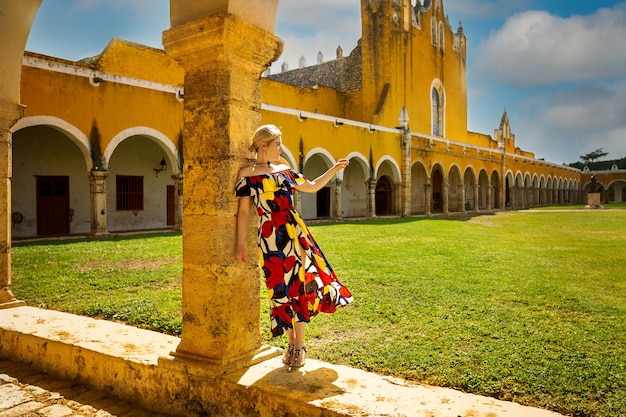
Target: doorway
{"x":53,"y":205}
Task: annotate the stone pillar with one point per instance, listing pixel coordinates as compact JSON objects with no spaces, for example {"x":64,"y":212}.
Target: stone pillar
{"x":223,"y":57}
{"x":178,"y":209}
{"x":618,"y":188}
{"x":445,"y":189}
{"x":489,"y":197}
{"x":297,"y":202}
{"x":476,"y":198}
{"x":337,"y":208}
{"x":397,"y":199}
{"x":513,"y":197}
{"x":10,"y":113}
{"x":406,"y":173}
{"x":462,"y":199}
{"x":98,"y":189}
{"x":371,"y":201}
{"x":427,"y":198}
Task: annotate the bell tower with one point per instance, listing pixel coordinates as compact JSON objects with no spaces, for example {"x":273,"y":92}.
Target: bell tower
{"x":408,"y":49}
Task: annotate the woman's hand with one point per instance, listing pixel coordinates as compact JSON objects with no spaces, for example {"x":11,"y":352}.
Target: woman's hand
{"x":341,"y":164}
{"x":241,"y":256}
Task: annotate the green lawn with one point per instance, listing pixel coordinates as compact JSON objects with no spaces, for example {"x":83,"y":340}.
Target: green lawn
{"x":525,"y":306}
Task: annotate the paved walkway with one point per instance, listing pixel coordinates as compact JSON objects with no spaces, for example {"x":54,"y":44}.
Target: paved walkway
{"x":26,"y":392}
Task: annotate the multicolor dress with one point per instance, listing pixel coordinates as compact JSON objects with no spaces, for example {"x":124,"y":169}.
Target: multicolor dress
{"x":296,"y":293}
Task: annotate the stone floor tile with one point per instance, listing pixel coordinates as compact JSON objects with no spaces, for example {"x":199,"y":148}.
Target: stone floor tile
{"x":4,"y":378}
{"x":12,"y":395}
{"x":22,"y":409}
{"x":56,"y":410}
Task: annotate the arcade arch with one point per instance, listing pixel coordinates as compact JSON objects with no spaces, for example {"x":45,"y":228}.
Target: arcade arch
{"x":470,"y":195}
{"x":50,"y":172}
{"x":354,"y":194}
{"x":455,"y":189}
{"x":419,"y":188}
{"x":387,"y":195}
{"x":438,"y":188}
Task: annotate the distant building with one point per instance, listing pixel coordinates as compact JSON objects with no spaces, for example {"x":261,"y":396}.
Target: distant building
{"x":99,"y":147}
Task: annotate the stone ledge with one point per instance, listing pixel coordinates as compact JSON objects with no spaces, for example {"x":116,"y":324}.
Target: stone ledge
{"x":136,"y":365}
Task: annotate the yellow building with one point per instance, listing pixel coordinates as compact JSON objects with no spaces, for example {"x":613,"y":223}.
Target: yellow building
{"x":397,"y":107}
{"x":99,"y":147}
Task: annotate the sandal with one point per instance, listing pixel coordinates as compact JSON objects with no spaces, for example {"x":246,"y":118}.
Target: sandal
{"x":299,"y":355}
{"x":288,"y":357}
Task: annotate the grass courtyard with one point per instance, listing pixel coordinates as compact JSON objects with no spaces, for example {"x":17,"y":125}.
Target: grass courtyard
{"x":525,"y":306}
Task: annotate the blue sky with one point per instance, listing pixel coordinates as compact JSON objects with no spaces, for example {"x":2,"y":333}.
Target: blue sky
{"x":558,"y":67}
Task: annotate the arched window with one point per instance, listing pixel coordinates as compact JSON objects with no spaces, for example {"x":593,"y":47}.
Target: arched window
{"x":433,"y":31}
{"x":436,"y":110}
{"x":441,"y":36}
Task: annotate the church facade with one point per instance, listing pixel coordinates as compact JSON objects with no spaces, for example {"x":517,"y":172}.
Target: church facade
{"x":99,"y":149}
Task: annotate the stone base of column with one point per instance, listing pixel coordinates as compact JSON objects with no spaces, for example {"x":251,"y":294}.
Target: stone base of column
{"x":7,"y":300}
{"x":593,"y":201}
{"x":221,"y":366}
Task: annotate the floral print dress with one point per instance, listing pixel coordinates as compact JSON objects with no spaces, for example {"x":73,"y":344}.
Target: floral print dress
{"x":296,"y":293}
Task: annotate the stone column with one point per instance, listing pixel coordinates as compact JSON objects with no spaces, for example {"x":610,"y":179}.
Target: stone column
{"x":445,"y":189}
{"x":462,"y":197}
{"x":489,"y":197}
{"x":223,"y":57}
{"x":178,"y":209}
{"x":427,"y":198}
{"x":371,"y":201}
{"x":618,"y":188}
{"x":98,"y":188}
{"x":337,"y":208}
{"x":536,"y":201}
{"x":10,"y":113}
{"x":406,"y":173}
{"x":476,"y":198}
{"x":297,"y":202}
{"x":513,"y":197}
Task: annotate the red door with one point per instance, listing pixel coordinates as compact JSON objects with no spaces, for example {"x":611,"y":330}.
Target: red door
{"x":171,"y":205}
{"x":53,"y":205}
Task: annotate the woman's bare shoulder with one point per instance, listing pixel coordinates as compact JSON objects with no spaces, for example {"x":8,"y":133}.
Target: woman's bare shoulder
{"x":281,"y":167}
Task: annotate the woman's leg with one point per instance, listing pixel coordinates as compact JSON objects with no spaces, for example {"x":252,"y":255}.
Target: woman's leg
{"x":300,"y":328}
{"x":299,"y":352}
{"x":291,"y":336}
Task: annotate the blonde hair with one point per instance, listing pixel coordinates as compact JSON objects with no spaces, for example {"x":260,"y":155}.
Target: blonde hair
{"x":264,"y":134}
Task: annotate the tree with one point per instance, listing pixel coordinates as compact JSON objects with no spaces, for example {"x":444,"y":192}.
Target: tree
{"x":591,"y":157}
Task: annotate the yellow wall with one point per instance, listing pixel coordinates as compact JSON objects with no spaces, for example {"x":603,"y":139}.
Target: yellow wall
{"x":112,"y":106}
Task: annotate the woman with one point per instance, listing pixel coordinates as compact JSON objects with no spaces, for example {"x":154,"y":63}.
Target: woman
{"x":299,"y":279}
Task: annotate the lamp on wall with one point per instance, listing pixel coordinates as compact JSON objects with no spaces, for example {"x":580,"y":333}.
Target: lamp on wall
{"x":161,"y":168}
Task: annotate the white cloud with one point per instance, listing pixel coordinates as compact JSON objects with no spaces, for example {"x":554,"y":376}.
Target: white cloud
{"x":593,"y":107}
{"x":537,"y":48}
{"x":563,"y":125}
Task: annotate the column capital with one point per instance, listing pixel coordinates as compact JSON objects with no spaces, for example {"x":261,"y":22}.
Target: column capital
{"x":202,"y":43}
{"x":98,"y":175}
{"x":10,"y":113}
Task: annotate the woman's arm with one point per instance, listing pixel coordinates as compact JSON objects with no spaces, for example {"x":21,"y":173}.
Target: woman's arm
{"x":243,"y":215}
{"x":322,"y":180}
